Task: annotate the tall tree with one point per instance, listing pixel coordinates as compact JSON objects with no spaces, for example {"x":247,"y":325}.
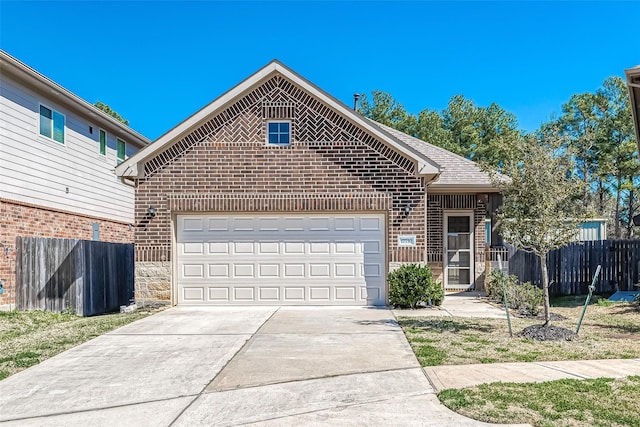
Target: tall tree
{"x":579,"y":123}
{"x":383,"y":108}
{"x":617,"y":149}
{"x":431,"y":129}
{"x":539,"y":211}
{"x":109,"y":111}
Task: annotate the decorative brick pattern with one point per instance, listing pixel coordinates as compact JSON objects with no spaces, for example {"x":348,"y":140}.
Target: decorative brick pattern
{"x":331,"y":165}
{"x":22,"y":219}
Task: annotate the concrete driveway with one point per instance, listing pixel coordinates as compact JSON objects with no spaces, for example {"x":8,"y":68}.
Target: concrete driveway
{"x":229,"y":366}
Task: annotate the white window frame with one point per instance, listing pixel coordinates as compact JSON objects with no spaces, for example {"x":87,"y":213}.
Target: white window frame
{"x":106,"y":144}
{"x":290,"y":133}
{"x":64,"y":124}
{"x":124,"y":152}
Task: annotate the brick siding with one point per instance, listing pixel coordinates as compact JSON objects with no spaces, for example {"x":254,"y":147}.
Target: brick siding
{"x":332,"y":165}
{"x":22,"y":219}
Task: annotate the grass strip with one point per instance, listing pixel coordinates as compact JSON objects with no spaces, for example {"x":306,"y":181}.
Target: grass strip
{"x":568,"y":402}
{"x":29,"y":337}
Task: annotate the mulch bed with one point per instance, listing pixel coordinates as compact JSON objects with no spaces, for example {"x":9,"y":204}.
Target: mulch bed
{"x":548,"y":333}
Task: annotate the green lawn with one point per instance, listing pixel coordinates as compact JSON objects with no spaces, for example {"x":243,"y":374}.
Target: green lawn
{"x":608,"y":332}
{"x":602,"y":402}
{"x":29,"y":337}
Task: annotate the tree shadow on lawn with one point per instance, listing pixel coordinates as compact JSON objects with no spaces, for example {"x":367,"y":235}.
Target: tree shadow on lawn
{"x":440,"y":325}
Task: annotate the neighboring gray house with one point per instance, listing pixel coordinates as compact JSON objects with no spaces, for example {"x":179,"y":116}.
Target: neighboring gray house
{"x":57,"y":159}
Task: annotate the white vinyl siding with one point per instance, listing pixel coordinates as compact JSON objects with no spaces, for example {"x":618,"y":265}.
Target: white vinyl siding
{"x":37,"y":171}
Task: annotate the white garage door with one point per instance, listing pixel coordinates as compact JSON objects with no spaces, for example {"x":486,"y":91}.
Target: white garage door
{"x":281,"y":259}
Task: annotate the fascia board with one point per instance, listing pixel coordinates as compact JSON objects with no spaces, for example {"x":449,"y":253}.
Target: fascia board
{"x":459,"y":188}
{"x":633,"y":84}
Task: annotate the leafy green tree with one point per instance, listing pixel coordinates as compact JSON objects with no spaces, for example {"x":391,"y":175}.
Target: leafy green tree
{"x":541,"y":209}
{"x":383,"y":108}
{"x":109,"y":111}
{"x":487,"y":135}
{"x":431,"y":129}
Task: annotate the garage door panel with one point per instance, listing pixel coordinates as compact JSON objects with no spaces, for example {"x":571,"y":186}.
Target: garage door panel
{"x":218,"y":270}
{"x":218,"y":294}
{"x":269,"y":270}
{"x":268,"y":248}
{"x":194,"y":294}
{"x":291,"y":248}
{"x":269,"y":293}
{"x":276,"y":259}
{"x":345,"y":293}
{"x":294,"y":294}
{"x":319,"y":293}
{"x":269,"y":224}
{"x":218,"y":224}
{"x":219,"y":248}
{"x":244,"y":294}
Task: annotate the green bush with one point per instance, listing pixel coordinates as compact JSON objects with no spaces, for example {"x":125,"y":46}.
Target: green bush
{"x":411,"y":284}
{"x":524,"y":297}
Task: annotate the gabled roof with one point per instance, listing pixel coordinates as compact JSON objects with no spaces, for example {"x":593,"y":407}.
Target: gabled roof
{"x":633,"y":83}
{"x":134,"y":166}
{"x":456,"y":174}
{"x":20,"y":71}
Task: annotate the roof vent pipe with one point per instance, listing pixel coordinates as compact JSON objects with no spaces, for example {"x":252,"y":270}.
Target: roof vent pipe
{"x":356,"y":97}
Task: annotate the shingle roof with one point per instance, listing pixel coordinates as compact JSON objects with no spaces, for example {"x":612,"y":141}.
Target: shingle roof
{"x":456,"y":171}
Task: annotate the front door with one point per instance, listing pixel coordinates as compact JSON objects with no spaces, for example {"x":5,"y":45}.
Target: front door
{"x":458,"y":248}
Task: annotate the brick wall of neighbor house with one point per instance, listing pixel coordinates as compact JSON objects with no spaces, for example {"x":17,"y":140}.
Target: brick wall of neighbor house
{"x":225,"y":166}
{"x":437,"y":204}
{"x":21,"y":219}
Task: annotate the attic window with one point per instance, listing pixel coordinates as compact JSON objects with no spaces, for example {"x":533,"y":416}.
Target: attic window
{"x":279,"y":133}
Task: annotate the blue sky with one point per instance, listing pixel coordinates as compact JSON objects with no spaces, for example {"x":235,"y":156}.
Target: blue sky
{"x":158,"y":62}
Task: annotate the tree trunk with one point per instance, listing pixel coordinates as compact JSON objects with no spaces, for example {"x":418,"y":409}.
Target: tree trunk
{"x":631,"y":212}
{"x":601,"y":194}
{"x":545,"y":288}
{"x":618,"y":196}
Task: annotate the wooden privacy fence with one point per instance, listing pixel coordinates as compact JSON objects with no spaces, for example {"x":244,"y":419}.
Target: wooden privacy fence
{"x":571,"y":268}
{"x":86,"y":277}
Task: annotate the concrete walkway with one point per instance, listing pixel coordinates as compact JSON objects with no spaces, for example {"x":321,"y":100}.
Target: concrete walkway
{"x":460,"y":376}
{"x":190,"y":366}
{"x":459,"y":304}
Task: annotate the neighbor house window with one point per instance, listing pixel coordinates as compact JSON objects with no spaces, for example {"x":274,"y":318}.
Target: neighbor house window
{"x":51,"y":124}
{"x":103,"y":142}
{"x":487,"y":231}
{"x":279,"y":133}
{"x":121,"y":150}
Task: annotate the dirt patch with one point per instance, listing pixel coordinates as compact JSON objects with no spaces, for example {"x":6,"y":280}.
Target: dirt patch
{"x":548,"y":333}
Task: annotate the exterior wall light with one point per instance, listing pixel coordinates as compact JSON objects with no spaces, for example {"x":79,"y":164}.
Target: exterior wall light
{"x":152,"y":211}
{"x":407,"y":209}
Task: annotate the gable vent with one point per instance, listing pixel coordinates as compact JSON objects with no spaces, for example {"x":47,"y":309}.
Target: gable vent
{"x":278,"y":110}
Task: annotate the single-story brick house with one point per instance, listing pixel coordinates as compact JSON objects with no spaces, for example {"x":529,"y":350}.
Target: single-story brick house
{"x":278,"y":193}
